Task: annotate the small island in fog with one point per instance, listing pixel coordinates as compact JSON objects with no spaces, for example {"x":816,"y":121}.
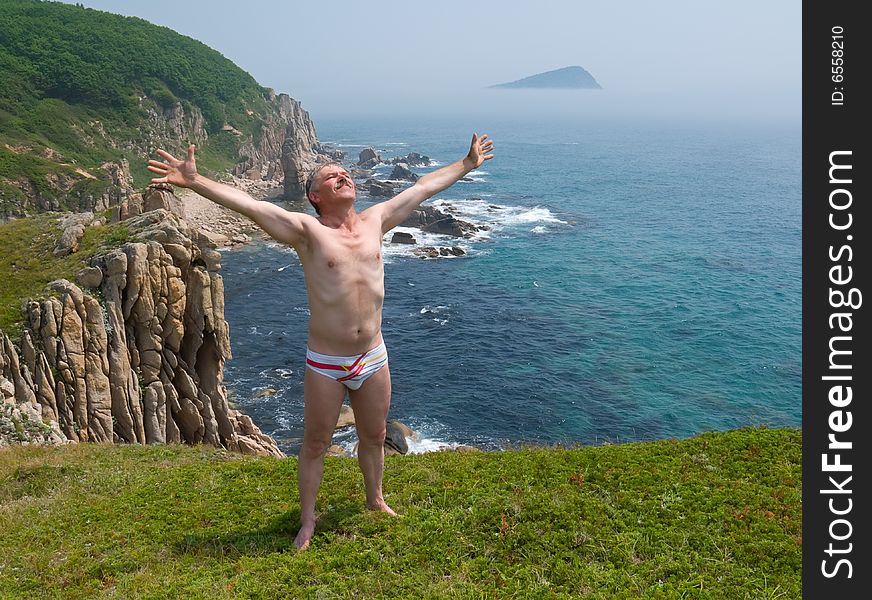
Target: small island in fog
{"x":565,"y":78}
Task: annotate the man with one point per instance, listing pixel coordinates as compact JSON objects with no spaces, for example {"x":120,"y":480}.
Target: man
{"x":340,"y":251}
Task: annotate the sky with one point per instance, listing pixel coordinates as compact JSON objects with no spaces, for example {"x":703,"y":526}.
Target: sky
{"x":736,"y":59}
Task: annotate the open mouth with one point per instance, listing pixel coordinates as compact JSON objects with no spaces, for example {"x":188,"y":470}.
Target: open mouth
{"x":340,"y":183}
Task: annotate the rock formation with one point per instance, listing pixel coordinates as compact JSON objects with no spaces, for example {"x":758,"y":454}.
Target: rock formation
{"x":432,"y":220}
{"x":368,"y":158}
{"x":379,"y":188}
{"x":401,"y":172}
{"x":300,"y":151}
{"x":285,"y":150}
{"x":412,"y":159}
{"x":138,"y":359}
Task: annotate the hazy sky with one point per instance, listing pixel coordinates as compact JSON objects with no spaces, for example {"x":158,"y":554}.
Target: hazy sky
{"x":736,"y":58}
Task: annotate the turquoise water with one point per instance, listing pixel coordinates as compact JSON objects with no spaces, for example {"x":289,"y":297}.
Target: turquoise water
{"x":640,"y":280}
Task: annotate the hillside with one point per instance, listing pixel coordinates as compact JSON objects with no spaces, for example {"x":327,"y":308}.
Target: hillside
{"x":565,"y":78}
{"x":715,"y":516}
{"x":82,"y":91}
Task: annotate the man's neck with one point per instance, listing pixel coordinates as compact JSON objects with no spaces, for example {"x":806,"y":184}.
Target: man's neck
{"x":340,"y":218}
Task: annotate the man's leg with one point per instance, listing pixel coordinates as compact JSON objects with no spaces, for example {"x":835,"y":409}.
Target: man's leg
{"x":323,"y":399}
{"x":370,"y":404}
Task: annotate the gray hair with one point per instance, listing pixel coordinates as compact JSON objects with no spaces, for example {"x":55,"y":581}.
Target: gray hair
{"x":310,"y":180}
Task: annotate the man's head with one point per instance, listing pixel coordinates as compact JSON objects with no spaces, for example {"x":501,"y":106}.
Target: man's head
{"x":327,"y":182}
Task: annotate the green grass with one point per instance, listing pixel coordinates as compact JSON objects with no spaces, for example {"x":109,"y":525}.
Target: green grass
{"x":27,"y":263}
{"x":715,"y":516}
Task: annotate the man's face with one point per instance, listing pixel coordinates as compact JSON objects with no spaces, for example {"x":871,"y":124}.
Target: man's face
{"x":333,"y":183}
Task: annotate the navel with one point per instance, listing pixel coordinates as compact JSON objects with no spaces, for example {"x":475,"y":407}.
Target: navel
{"x":331,"y":264}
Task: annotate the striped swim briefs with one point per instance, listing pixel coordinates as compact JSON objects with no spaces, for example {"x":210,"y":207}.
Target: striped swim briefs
{"x":351,"y":371}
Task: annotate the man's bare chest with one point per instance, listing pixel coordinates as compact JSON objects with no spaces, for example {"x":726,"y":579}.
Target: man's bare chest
{"x":343,"y":253}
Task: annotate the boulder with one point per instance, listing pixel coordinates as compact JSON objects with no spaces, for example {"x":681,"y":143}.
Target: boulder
{"x":395,"y":437}
{"x":401,"y":172}
{"x":161,"y":196}
{"x":368,"y":158}
{"x":73,"y":229}
{"x":90,"y":277}
{"x":432,"y":220}
{"x":412,"y":159}
{"x":379,"y":188}
{"x":336,"y":450}
{"x":401,"y":237}
{"x":346,"y":417}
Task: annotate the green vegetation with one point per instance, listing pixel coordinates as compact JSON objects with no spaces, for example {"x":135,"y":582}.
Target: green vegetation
{"x":79,"y":81}
{"x":27,"y":263}
{"x":716,"y":516}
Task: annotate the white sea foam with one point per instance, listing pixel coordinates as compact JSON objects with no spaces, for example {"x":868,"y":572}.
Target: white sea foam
{"x":539,"y":229}
{"x":433,"y":309}
{"x":282,"y":247}
{"x":416,"y":446}
{"x":422,"y":238}
{"x":497,"y":215}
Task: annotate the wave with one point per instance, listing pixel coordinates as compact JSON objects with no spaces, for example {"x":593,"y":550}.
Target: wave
{"x":493,"y":217}
{"x":347,"y":440}
{"x":434,"y":310}
{"x":492,"y":214}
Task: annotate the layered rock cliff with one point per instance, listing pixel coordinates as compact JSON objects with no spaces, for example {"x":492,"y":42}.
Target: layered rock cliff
{"x":283,"y":149}
{"x":286,"y":150}
{"x":135,"y":353}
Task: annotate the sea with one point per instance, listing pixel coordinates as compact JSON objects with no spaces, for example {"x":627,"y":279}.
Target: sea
{"x":637,"y":279}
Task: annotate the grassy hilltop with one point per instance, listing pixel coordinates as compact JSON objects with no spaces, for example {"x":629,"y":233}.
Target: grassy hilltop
{"x":79,"y":87}
{"x":715,"y":516}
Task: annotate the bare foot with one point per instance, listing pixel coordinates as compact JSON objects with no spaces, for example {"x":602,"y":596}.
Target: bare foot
{"x":382,"y":506}
{"x":305,"y":534}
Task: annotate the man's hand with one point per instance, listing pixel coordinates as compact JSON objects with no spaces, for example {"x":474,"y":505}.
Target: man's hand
{"x":175,"y":171}
{"x":480,"y":150}
{"x":394,"y":211}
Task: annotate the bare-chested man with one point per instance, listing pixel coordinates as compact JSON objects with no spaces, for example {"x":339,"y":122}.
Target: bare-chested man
{"x":340,"y":251}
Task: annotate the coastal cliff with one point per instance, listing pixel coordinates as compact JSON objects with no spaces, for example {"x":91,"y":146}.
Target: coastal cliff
{"x":133,"y":353}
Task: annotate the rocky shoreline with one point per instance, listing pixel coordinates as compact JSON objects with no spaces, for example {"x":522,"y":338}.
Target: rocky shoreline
{"x":222,"y":226}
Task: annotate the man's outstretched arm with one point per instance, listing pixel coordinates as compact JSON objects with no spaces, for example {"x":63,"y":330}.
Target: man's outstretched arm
{"x":280,"y":224}
{"x":394,"y":211}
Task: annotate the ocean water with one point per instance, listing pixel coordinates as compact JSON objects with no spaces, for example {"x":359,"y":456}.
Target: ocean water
{"x":638,"y":280}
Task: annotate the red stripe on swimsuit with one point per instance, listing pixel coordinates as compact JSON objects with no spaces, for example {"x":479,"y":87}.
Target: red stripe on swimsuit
{"x":335,"y":367}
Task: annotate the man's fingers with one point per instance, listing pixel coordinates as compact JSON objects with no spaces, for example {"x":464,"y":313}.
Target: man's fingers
{"x":157,"y":170}
{"x":167,"y":155}
{"x":482,"y":138}
{"x":191,"y":150}
{"x":158,"y":164}
{"x":159,"y":180}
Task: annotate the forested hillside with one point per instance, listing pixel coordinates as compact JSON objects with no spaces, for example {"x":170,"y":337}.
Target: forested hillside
{"x":80,"y":88}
